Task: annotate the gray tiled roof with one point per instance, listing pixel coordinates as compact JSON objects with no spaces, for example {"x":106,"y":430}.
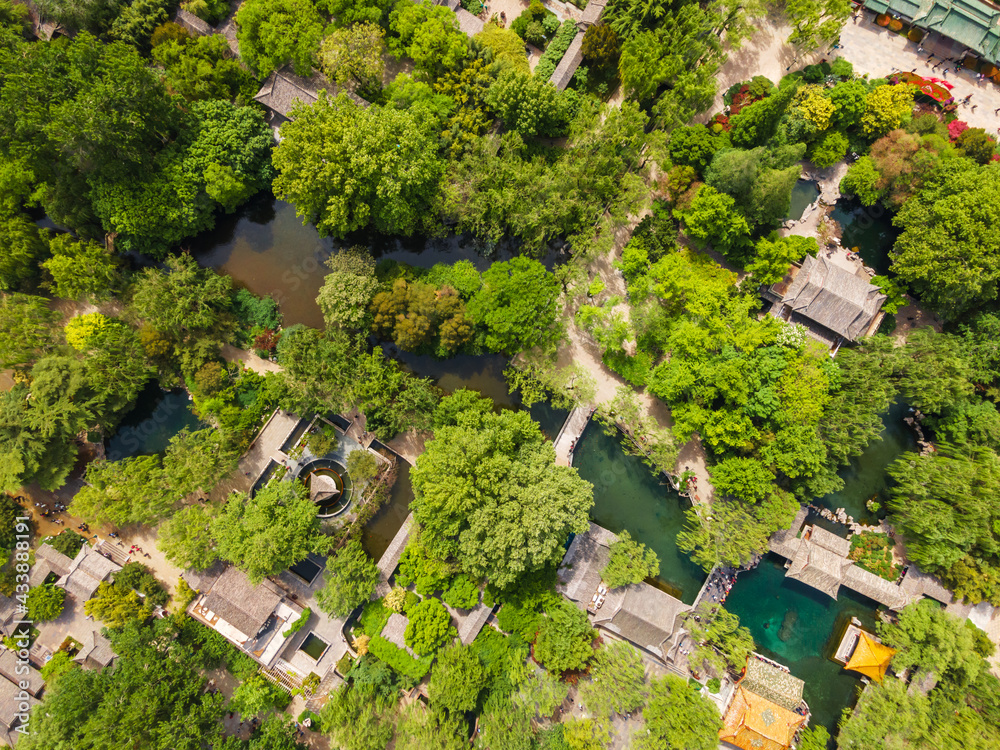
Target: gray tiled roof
{"x":9,"y":669}
{"x":571,"y":60}
{"x":818,"y":567}
{"x":835,"y":298}
{"x":777,"y":685}
{"x":10,"y":703}
{"x":639,"y":613}
{"x":243,"y":605}
{"x":96,"y":653}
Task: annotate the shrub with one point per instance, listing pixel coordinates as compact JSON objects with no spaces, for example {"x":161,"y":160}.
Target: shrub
{"x":829,"y":149}
{"x":374,"y":617}
{"x":841,"y":67}
{"x":714,"y":685}
{"x":398,"y":659}
{"x":463,"y":593}
{"x":395,"y":599}
{"x":210,"y":378}
{"x":554,"y":53}
{"x":300,"y":621}
{"x":361,"y":465}
{"x":427,"y":573}
{"x":361,"y":644}
{"x":429,"y":626}
{"x":81,"y":329}
{"x":185,"y":594}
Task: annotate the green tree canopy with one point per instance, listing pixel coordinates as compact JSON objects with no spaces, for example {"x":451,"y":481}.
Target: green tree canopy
{"x":948,"y":252}
{"x":25,"y":328}
{"x":352,"y":56}
{"x":274,"y":32}
{"x":184,"y":297}
{"x":124,"y":492}
{"x":24,"y":248}
{"x":930,"y":639}
{"x":617,"y":680}
{"x":82,"y":270}
{"x":565,"y":638}
{"x":629,"y":562}
{"x":154,"y":697}
{"x":346,"y":167}
{"x":517,"y":305}
{"x":267,"y":533}
{"x":429,"y":627}
{"x":531,"y":106}
{"x":678,"y":717}
{"x":186,"y":537}
{"x":721,"y":643}
{"x":457,"y":679}
{"x":45,"y":602}
{"x":488,"y":494}
{"x":350,"y":579}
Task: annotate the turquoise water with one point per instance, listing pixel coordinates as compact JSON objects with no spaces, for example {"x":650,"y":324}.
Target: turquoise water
{"x":799,"y":627}
{"x":804,"y":192}
{"x":869,"y":230}
{"x":628,"y":496}
{"x":865,"y":477}
{"x":158,"y":415}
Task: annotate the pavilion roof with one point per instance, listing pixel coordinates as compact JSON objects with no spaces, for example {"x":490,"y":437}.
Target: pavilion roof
{"x":871,"y":658}
{"x":754,"y":723}
{"x":776,"y":685}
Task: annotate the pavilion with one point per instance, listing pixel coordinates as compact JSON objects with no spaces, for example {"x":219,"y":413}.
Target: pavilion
{"x":871,"y":657}
{"x":767,"y":708}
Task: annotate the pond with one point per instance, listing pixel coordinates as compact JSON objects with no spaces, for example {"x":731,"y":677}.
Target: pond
{"x":265,"y":247}
{"x":804,"y":194}
{"x":798,"y":626}
{"x":865,"y":477}
{"x":628,"y":496}
{"x":867,"y":230}
{"x":314,"y":646}
{"x":157,"y":416}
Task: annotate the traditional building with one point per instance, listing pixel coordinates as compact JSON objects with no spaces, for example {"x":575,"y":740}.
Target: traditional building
{"x":766,"y":709}
{"x":639,"y":613}
{"x":871,"y":657}
{"x":953,"y":28}
{"x":80,"y":576}
{"x":97,"y":652}
{"x":283,"y":90}
{"x":253,"y":618}
{"x":819,"y":558}
{"x":832,"y":303}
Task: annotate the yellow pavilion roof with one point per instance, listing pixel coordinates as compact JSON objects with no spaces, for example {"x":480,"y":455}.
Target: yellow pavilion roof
{"x":755,"y":723}
{"x":870,"y":657}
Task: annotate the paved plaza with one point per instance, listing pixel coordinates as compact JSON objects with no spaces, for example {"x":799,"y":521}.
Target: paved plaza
{"x":877,"y":52}
{"x":872,"y":50}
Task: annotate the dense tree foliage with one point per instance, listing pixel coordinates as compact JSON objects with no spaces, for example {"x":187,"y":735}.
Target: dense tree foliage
{"x":350,"y":580}
{"x":346,"y":167}
{"x":477,"y":485}
{"x":629,"y":562}
{"x":264,"y":534}
{"x":274,"y":32}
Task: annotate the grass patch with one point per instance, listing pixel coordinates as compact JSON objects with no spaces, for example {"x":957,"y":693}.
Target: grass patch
{"x":399,"y":659}
{"x":374,"y":617}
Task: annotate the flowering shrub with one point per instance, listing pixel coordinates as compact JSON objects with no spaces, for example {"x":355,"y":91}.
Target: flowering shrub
{"x":956,"y":128}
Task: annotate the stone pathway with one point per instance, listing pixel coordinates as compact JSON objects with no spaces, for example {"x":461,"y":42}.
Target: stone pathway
{"x":878,"y":52}
{"x":570,"y":433}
